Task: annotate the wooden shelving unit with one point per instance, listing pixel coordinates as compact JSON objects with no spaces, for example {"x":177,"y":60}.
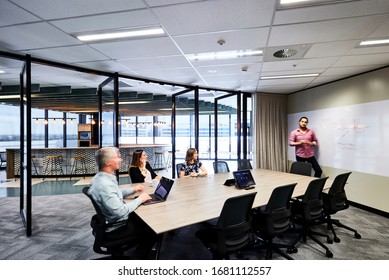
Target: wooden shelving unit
{"x":85,"y":134}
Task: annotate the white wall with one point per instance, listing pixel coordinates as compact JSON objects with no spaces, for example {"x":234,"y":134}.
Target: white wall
{"x":364,"y":187}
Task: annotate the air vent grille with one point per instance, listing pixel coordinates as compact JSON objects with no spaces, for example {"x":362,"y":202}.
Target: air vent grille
{"x":285,"y":53}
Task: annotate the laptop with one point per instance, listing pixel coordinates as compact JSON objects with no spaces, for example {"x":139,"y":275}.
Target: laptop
{"x":244,"y":179}
{"x":161,"y":192}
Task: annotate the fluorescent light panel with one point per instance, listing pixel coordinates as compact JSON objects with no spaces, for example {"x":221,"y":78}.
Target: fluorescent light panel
{"x":2,"y":72}
{"x":121,"y":34}
{"x":127,"y":102}
{"x":10,"y":96}
{"x":289,"y":76}
{"x":223,"y":55}
{"x":285,"y":4}
{"x":375,"y":42}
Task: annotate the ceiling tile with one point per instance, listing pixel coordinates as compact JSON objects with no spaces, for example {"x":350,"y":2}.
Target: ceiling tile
{"x":54,"y":9}
{"x":211,"y":16}
{"x":138,"y":48}
{"x":254,"y":38}
{"x":319,"y":32}
{"x":343,"y":10}
{"x":12,"y":14}
{"x":34,"y":36}
{"x":159,"y":62}
{"x":70,"y":54}
{"x":359,"y":60}
{"x":138,"y":18}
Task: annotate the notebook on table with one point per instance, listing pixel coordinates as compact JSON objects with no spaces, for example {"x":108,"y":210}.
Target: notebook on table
{"x":161,"y":192}
{"x":244,"y":179}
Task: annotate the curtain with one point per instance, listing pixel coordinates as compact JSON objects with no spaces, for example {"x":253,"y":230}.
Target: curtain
{"x":271,"y":131}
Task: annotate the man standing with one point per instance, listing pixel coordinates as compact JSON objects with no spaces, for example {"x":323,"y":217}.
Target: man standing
{"x":304,"y":139}
{"x":109,"y":197}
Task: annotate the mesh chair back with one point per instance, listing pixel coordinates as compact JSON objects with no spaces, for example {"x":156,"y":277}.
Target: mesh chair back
{"x":103,"y":244}
{"x":220,"y":167}
{"x":234,"y":223}
{"x":178,"y":168}
{"x":3,"y":158}
{"x":301,"y":168}
{"x":280,"y":198}
{"x":100,"y":216}
{"x":244,"y":164}
{"x":336,"y":199}
{"x":312,"y":199}
{"x":276,"y":217}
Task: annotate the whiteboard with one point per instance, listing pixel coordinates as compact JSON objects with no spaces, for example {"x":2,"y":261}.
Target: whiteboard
{"x":354,"y":137}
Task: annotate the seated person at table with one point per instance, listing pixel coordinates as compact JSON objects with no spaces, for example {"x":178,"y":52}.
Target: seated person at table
{"x":192,"y":166}
{"x":109,"y":197}
{"x":140,"y":169}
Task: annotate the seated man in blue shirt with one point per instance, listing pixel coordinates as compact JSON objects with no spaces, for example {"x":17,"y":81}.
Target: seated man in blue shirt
{"x":107,"y":194}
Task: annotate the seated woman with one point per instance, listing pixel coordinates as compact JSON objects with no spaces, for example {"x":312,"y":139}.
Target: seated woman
{"x":140,"y":169}
{"x":192,"y":166}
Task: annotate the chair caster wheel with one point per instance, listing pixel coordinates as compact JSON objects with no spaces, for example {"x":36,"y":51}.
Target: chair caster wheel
{"x":336,"y":239}
{"x":329,"y":254}
{"x":357,"y":235}
{"x":329,"y":240}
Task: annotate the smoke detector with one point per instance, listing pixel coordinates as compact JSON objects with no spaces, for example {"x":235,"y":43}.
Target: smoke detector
{"x":284,"y":53}
{"x":221,"y":42}
{"x":245,"y":68}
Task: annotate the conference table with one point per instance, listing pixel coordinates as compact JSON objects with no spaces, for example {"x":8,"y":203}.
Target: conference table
{"x":194,"y":200}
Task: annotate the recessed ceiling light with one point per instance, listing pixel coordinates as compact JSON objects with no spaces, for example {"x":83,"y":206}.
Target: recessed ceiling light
{"x":121,"y":34}
{"x":289,"y":76}
{"x":223,"y":55}
{"x":375,"y":42}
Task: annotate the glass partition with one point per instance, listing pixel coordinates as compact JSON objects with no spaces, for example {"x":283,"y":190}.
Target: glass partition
{"x":227,"y":128}
{"x":184,"y":124}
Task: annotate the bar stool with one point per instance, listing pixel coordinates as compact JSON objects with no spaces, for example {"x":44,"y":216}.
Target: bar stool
{"x":33,"y":166}
{"x":159,"y":161}
{"x":170,"y":159}
{"x":79,"y":165}
{"x":129,"y":161}
{"x":54,"y":165}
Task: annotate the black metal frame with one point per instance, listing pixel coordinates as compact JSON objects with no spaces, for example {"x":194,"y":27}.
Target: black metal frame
{"x":25,"y":210}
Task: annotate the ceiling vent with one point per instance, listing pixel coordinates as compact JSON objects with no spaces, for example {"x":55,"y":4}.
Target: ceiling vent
{"x":285,"y":52}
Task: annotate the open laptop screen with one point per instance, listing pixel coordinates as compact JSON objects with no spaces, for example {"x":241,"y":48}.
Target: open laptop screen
{"x":163,"y":188}
{"x":243,"y":178}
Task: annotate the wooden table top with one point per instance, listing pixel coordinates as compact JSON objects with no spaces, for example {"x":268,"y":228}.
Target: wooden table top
{"x":196,"y":199}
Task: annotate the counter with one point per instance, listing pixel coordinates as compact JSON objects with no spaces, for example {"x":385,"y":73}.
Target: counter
{"x":40,"y":160}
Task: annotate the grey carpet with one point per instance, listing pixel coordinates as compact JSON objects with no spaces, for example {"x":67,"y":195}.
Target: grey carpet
{"x":61,"y":231}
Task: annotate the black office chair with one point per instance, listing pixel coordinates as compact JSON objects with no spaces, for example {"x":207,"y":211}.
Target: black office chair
{"x":220,"y":167}
{"x":178,"y":168}
{"x":103,"y":244}
{"x":3,"y":159}
{"x":308,"y":211}
{"x":336,"y":200}
{"x":232,"y":232}
{"x":273,"y":220}
{"x":301,"y":168}
{"x":244,"y":164}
